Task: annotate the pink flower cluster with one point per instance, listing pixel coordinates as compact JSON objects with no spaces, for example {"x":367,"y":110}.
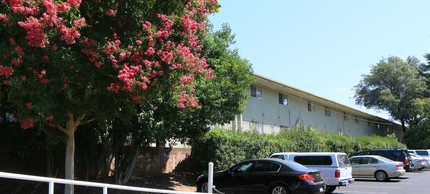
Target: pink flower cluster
{"x":112,"y":12}
{"x":155,"y":52}
{"x":6,"y":71}
{"x":4,"y":18}
{"x":49,"y":21}
{"x":28,"y":124}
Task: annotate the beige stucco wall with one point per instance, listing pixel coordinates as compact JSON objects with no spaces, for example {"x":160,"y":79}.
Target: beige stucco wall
{"x":267,"y":116}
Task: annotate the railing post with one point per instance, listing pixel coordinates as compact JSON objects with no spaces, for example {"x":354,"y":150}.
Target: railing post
{"x":51,"y":187}
{"x":105,"y":190}
{"x":210,"y":177}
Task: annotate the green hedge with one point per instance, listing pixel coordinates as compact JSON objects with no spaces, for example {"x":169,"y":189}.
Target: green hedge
{"x":225,"y":147}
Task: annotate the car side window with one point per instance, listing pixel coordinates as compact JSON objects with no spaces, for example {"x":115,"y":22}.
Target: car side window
{"x":244,"y":167}
{"x":355,"y":160}
{"x":313,"y":160}
{"x":373,"y":161}
{"x":365,"y":160}
{"x":278,"y":156}
{"x":264,"y":166}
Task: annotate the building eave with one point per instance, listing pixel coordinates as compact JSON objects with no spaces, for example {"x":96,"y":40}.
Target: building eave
{"x":282,"y":87}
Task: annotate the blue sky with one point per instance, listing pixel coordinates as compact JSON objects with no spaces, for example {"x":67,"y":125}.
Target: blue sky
{"x":324,"y":47}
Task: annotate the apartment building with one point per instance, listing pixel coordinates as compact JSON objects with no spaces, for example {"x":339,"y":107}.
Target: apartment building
{"x":273,"y":106}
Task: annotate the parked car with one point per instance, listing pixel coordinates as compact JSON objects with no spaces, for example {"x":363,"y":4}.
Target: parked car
{"x":423,"y":153}
{"x":381,"y":168}
{"x":401,"y":155}
{"x":265,"y":176}
{"x":335,"y":166}
{"x":418,"y":162}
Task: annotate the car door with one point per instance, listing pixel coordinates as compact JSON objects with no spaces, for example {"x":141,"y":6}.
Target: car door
{"x":263,"y":174}
{"x":240,"y":176}
{"x":355,"y":164}
{"x":368,"y":166}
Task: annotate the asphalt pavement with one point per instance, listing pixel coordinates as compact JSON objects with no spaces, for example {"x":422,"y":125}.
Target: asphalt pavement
{"x":417,"y":182}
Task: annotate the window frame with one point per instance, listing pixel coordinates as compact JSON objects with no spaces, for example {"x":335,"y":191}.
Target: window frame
{"x":283,"y":99}
{"x":256,"y":91}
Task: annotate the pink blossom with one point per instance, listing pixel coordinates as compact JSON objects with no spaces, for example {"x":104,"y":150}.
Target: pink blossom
{"x":28,"y":105}
{"x":74,"y":2}
{"x":19,"y":51}
{"x":6,"y":82}
{"x":28,"y":124}
{"x":12,"y":41}
{"x":6,"y":71}
{"x":4,"y":18}
{"x":49,"y":118}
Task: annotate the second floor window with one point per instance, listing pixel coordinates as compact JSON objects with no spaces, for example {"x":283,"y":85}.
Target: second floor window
{"x":310,"y":106}
{"x":283,"y":99}
{"x":256,"y":91}
{"x":327,"y":112}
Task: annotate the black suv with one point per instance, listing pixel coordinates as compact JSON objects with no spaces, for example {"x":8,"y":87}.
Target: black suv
{"x":401,"y":155}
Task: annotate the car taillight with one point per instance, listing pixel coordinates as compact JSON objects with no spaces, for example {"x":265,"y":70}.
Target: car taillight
{"x":399,"y":165}
{"x":337,"y":174}
{"x":406,"y":160}
{"x":306,"y":177}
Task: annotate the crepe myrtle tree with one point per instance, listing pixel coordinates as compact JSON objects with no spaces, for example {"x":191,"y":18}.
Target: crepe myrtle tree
{"x":67,"y":63}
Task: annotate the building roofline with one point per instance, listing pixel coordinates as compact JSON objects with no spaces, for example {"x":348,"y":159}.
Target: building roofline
{"x":281,"y":87}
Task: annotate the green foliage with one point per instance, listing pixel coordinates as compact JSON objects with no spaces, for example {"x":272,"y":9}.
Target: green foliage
{"x":225,"y":148}
{"x":393,"y":85}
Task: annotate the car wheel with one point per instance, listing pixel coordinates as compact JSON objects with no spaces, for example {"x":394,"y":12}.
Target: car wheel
{"x":381,"y":176}
{"x":279,"y":189}
{"x":330,"y":189}
{"x":203,"y":187}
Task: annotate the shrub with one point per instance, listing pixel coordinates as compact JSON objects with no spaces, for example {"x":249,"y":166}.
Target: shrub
{"x":225,"y":148}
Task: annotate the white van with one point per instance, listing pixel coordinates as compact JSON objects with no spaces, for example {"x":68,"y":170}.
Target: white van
{"x":334,"y":166}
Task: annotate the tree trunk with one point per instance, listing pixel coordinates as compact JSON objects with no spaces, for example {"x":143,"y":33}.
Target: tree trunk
{"x":70,"y":129}
{"x":49,"y":162}
{"x":403,"y":125}
{"x":70,"y":162}
{"x":125,"y":174}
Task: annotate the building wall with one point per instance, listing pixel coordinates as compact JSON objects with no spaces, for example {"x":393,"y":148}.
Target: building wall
{"x":267,"y":115}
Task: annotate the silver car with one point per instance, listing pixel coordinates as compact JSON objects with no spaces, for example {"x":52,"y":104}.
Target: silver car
{"x":418,"y":162}
{"x":379,"y":167}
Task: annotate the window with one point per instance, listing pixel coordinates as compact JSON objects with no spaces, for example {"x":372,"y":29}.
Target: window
{"x":256,"y":92}
{"x":313,"y":160}
{"x":345,"y":116}
{"x":343,"y":160}
{"x":327,"y":112}
{"x":422,"y":153}
{"x":368,"y":160}
{"x":283,"y":99}
{"x":309,"y":106}
{"x":264,"y":166}
{"x":355,"y":160}
{"x":356,"y":119}
{"x":278,"y":156}
{"x":243,"y":167}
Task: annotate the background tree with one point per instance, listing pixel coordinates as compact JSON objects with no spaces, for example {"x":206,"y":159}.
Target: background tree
{"x":67,"y":63}
{"x":418,"y":135}
{"x":393,"y":85}
{"x":220,"y":99}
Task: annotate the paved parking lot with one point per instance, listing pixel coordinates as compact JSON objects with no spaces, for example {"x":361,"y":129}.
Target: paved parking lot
{"x":412,"y":182}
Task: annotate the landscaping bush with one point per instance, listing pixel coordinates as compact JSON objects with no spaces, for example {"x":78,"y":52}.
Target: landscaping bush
{"x":225,"y":147}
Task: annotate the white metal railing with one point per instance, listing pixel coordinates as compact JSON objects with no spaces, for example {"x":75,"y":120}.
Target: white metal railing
{"x":105,"y":187}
